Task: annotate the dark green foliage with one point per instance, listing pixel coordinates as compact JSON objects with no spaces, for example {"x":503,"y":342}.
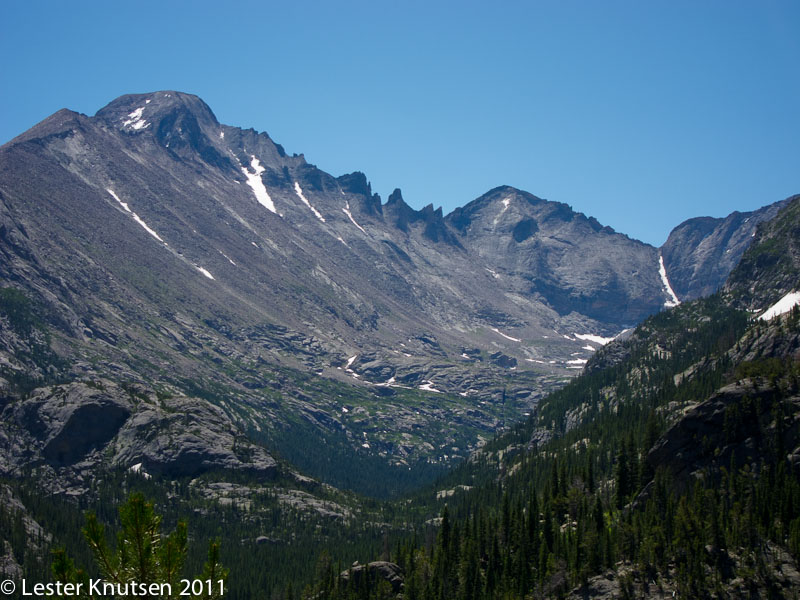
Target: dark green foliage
{"x":542,"y":519}
{"x":264,"y":568}
{"x":19,"y":310}
{"x":42,"y":364}
{"x":365,"y":473}
{"x":142,"y":555}
{"x":769,"y":265}
{"x":564,"y":496}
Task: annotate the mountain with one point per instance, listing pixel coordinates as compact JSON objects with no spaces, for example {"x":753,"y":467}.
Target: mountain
{"x":166,"y":260}
{"x":188,"y":311}
{"x":669,"y":468}
{"x":571,"y":262}
{"x":766,"y":273}
{"x":701,"y":252}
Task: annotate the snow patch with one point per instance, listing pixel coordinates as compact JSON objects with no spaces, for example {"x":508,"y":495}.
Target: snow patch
{"x":136,"y":217}
{"x":137,"y":468}
{"x":205,"y":272}
{"x":506,"y":203}
{"x":588,"y":337}
{"x":146,"y":228}
{"x":228,"y":257}
{"x":577,"y":361}
{"x":589,"y":348}
{"x":662,"y":270}
{"x":391,"y":382}
{"x":222,"y":135}
{"x":257,"y":185}
{"x":508,"y":337}
{"x":299,"y":193}
{"x":782,"y":306}
{"x":346,"y":211}
{"x":428,"y":387}
{"x":350,"y":361}
{"x":122,"y":204}
{"x":135,"y":120}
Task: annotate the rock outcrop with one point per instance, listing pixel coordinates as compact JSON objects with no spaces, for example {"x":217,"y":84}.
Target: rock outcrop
{"x":377,"y":570}
{"x":83,"y":426}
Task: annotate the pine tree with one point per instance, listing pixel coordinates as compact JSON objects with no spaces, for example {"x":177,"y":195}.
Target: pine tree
{"x":623,"y":477}
{"x":142,"y":555}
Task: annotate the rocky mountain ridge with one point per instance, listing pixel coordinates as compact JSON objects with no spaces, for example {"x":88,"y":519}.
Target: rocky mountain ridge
{"x":701,"y":252}
{"x":189,"y":310}
{"x":157,"y":247}
{"x":670,"y":467}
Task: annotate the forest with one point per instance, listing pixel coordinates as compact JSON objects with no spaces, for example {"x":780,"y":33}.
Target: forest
{"x":587,"y":487}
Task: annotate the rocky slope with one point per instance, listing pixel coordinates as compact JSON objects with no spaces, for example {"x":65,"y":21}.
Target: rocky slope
{"x":701,"y":252}
{"x":733,"y":419}
{"x":768,"y":272}
{"x":670,"y":467}
{"x":151,"y":246}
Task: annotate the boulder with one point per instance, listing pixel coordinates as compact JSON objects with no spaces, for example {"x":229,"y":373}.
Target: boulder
{"x":380,"y":569}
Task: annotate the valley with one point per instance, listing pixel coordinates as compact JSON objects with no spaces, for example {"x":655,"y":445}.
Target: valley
{"x":290,"y":363}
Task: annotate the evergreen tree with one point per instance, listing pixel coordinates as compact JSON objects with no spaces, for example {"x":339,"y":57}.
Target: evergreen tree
{"x":623,"y":477}
{"x":142,"y":555}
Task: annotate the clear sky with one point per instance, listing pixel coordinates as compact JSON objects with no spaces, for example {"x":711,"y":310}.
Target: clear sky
{"x":641,"y":114}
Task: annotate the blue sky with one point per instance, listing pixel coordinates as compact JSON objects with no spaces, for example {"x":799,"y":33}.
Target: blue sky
{"x":641,"y":114}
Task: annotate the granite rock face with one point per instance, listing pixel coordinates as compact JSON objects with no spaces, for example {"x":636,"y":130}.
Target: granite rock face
{"x":700,"y":253}
{"x":380,"y":569}
{"x":62,"y":425}
{"x":80,"y":426}
{"x":703,"y":437}
{"x":568,"y":261}
{"x":769,"y":269}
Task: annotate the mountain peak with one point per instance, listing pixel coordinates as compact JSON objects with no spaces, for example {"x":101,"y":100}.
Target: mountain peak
{"x":59,"y":123}
{"x":355,"y":183}
{"x":701,"y":252}
{"x":502,"y":192}
{"x":137,"y":112}
{"x":496,"y":201}
{"x":181,"y":123}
